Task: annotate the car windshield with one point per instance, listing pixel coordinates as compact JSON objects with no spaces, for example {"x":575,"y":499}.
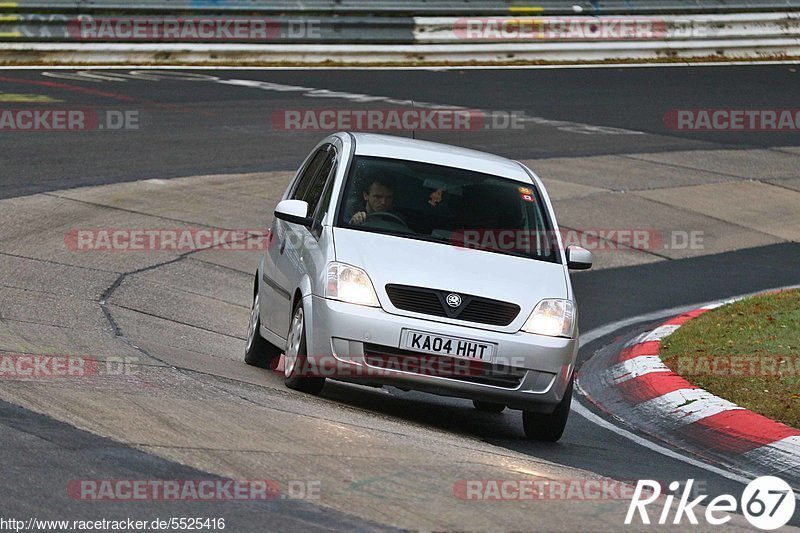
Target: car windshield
{"x":446,"y":205}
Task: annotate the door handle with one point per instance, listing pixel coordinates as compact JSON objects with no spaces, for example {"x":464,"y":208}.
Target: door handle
{"x":283,"y":246}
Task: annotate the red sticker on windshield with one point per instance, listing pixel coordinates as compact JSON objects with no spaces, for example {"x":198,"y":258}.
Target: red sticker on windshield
{"x":527,"y":197}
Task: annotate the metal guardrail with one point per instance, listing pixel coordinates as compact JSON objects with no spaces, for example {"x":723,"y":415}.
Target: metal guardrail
{"x":280,"y":32}
{"x":318,"y":21}
{"x":228,"y":29}
{"x":172,"y":54}
{"x":393,"y":30}
{"x":398,"y":7}
{"x":661,"y":28}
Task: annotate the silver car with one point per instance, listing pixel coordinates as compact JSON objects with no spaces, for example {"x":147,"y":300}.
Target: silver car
{"x":423,"y":266}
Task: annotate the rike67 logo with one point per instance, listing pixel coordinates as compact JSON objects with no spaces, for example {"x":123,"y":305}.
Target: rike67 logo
{"x":767,"y":503}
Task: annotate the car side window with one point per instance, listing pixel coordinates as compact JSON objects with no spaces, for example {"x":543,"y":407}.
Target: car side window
{"x":317,"y":185}
{"x":325,"y":202}
{"x":309,"y":173}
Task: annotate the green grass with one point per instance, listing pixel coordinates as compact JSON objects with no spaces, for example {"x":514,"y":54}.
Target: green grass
{"x":747,"y":352}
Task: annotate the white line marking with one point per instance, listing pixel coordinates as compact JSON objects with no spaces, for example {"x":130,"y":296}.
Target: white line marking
{"x":638,"y":366}
{"x":311,"y":92}
{"x":602,"y":331}
{"x":720,"y":304}
{"x":591,"y":417}
{"x":655,"y":335}
{"x":660,"y":332}
{"x":440,"y":67}
{"x":780,"y":456}
{"x":684,"y":406}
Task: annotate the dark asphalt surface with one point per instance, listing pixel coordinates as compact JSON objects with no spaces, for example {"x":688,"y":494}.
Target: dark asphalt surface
{"x":204,"y":127}
{"x":605,"y":297}
{"x":42,"y":456}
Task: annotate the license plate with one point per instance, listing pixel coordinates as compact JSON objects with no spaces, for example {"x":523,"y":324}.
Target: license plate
{"x":419,"y":341}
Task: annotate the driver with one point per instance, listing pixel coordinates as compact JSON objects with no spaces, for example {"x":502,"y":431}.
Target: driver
{"x":378,"y":197}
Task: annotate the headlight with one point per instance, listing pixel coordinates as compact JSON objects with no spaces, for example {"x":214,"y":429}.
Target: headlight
{"x":553,"y":318}
{"x":350,"y":284}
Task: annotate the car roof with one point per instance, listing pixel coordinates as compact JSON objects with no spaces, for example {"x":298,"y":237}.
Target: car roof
{"x":371,"y":144}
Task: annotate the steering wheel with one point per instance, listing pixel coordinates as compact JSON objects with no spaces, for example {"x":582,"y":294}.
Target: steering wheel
{"x":386,"y":215}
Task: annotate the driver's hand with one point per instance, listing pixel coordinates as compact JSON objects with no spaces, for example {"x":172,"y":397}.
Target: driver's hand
{"x":359,"y":217}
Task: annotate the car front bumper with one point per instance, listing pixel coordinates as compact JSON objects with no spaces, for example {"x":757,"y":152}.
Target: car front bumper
{"x":348,"y":334}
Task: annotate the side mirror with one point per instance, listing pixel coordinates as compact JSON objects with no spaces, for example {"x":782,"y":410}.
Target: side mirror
{"x":578,"y":258}
{"x":294,"y":211}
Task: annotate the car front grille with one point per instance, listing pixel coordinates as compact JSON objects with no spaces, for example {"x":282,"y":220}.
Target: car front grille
{"x":390,"y":358}
{"x":434,"y":302}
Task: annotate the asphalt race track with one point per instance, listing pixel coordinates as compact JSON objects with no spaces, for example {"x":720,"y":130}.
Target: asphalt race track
{"x":206,"y":152}
{"x":195,"y":127}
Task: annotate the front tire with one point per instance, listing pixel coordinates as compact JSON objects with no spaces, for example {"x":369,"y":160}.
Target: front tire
{"x":548,"y":427}
{"x":258,"y":352}
{"x":295,"y":363}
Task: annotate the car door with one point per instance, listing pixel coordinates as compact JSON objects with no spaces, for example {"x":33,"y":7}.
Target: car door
{"x":303,"y":252}
{"x":281,"y":260}
{"x":318,"y":249}
{"x":298,"y":249}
